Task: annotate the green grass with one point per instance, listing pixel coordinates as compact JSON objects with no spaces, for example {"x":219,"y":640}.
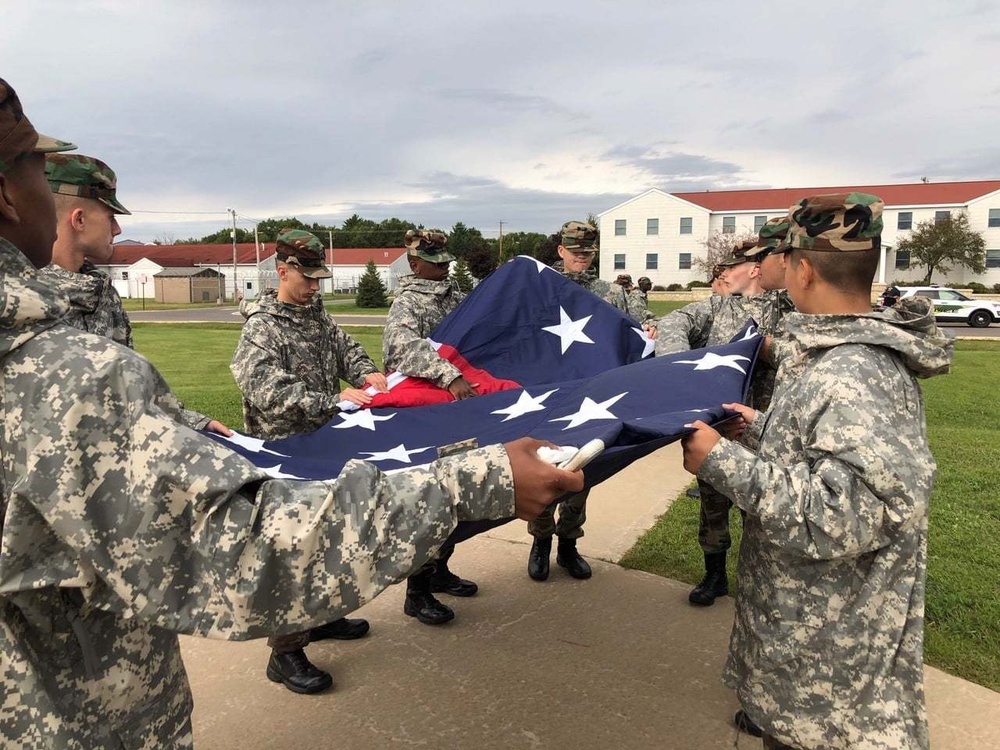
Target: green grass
{"x":963,"y":578}
{"x":661,"y":307}
{"x":133,"y":305}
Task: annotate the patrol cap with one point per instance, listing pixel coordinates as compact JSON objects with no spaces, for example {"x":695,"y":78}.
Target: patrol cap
{"x":427,"y":245}
{"x":17,"y":135}
{"x":644,"y":281}
{"x":738,"y":254}
{"x":836,"y":223}
{"x":84,"y":176}
{"x":578,"y":236}
{"x":624,"y":278}
{"x":769,"y":237}
{"x":304,"y":251}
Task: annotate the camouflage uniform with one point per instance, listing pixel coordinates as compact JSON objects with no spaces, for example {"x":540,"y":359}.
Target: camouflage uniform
{"x":289,"y":363}
{"x":827,"y":644}
{"x":711,"y":322}
{"x":121,"y":528}
{"x":95,"y":305}
{"x":420,"y":304}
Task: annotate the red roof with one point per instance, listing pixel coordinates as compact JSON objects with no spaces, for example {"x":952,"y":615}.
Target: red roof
{"x":186,"y":256}
{"x":918,"y":194}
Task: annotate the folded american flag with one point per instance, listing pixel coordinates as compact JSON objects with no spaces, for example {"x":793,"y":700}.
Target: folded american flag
{"x":585,"y":372}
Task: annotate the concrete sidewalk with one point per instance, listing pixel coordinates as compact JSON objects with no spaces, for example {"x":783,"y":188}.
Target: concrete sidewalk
{"x":619,"y":661}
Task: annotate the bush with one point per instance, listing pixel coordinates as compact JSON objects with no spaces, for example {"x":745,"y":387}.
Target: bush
{"x":698,"y":284}
{"x":976,"y":288}
{"x":675,"y":288}
{"x":996,"y":288}
{"x":661,"y":288}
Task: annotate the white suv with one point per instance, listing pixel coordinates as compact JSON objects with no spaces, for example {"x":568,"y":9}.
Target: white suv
{"x":953,"y":306}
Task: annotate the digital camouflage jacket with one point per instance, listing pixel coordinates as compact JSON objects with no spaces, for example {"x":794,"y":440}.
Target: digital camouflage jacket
{"x":419,"y":306}
{"x":827,"y":644}
{"x":614,"y":294}
{"x":94,"y":303}
{"x":289,"y":363}
{"x":120,"y":527}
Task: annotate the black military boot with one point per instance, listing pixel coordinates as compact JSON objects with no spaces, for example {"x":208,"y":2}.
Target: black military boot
{"x":342,"y":629}
{"x":714,"y":584}
{"x":420,"y":602}
{"x":443,"y":581}
{"x":538,"y":558}
{"x":567,"y":557}
{"x":297,"y":673}
{"x":745,"y":724}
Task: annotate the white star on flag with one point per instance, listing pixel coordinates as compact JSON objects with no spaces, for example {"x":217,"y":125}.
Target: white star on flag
{"x":399,"y":453}
{"x":569,"y":330}
{"x":362,"y":418}
{"x":751,"y":332}
{"x":590,"y":410}
{"x":275,"y":472}
{"x":252,"y":444}
{"x":525,"y":403}
{"x":541,"y":266}
{"x":650,"y":343}
{"x":711,"y":360}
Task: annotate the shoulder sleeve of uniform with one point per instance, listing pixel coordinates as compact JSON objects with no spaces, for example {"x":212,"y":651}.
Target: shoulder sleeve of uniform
{"x":686,"y":328}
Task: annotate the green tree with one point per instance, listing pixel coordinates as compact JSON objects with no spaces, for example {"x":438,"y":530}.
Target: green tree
{"x":463,"y":240}
{"x":462,"y":277}
{"x":222,"y":237}
{"x":482,"y":260}
{"x":939,"y":245}
{"x":371,"y":290}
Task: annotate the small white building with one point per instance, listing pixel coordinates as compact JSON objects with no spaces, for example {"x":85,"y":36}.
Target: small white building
{"x":659,"y":234}
{"x":348,"y":265}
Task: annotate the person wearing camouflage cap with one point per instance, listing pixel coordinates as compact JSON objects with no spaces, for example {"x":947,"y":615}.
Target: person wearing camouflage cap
{"x":123,"y":528}
{"x":86,"y":209}
{"x":640,"y":295}
{"x":422,"y":301}
{"x":827,"y":643}
{"x":577,"y":248}
{"x":288,"y":365}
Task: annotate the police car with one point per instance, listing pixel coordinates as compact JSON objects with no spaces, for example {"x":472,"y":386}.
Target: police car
{"x":953,"y":306}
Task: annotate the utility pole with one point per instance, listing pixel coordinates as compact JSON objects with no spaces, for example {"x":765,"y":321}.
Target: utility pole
{"x":329,"y":262}
{"x":256,"y":244}
{"x":500,"y":253}
{"x":235,"y":287}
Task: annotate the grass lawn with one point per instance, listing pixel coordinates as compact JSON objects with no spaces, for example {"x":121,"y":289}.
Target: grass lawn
{"x":963,"y":585}
{"x":133,"y":305}
{"x":963,"y":579}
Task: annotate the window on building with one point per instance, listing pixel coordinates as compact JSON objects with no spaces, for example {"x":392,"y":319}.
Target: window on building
{"x":619,"y":227}
{"x":249,"y":285}
{"x":941,"y":216}
{"x":124,"y":275}
{"x":204,"y":296}
{"x":684,"y":261}
{"x":904,"y":220}
{"x":652,"y":261}
{"x":728,"y":224}
{"x":902,"y":260}
{"x":686,"y":222}
{"x":993,"y":258}
{"x":758,"y":222}
{"x":619,"y":261}
{"x":994,"y":220}
{"x":652,"y":226}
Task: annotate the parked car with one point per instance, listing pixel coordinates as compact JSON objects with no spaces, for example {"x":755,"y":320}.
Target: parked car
{"x":953,"y":306}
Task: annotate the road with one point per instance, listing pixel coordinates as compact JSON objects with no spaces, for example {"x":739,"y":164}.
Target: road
{"x":232,"y":315}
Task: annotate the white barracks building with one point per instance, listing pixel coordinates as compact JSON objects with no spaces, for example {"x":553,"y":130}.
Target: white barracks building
{"x":658,"y":234}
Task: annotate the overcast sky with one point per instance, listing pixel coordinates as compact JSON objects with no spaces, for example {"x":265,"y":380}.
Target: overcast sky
{"x":532,"y":113}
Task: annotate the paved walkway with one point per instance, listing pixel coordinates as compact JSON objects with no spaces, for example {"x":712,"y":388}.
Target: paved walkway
{"x":619,"y":661}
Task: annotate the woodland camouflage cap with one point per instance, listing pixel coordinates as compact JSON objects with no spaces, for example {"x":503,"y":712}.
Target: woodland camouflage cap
{"x":839,"y":222}
{"x":83,"y":176}
{"x":739,"y":254}
{"x":579,"y":236}
{"x":770,"y":236}
{"x":303,"y":250}
{"x":17,"y":135}
{"x":427,"y":245}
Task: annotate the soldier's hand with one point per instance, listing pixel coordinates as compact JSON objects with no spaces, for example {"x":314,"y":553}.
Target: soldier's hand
{"x":697,"y":445}
{"x":461,"y":388}
{"x":747,"y":414}
{"x":355,"y":396}
{"x":537,"y":484}
{"x":377,"y":381}
{"x":214,"y":425}
{"x":650,"y":329}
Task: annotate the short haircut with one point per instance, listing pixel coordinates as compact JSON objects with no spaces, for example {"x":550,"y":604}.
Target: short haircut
{"x":850,"y":272}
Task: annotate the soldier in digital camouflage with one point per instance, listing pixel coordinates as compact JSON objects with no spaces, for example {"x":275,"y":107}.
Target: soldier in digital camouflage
{"x":711,"y":322}
{"x":85,"y":194}
{"x":827,"y":644}
{"x":422,"y":301}
{"x":122,"y":528}
{"x":577,"y":248}
{"x":640,"y":297}
{"x":288,"y":364}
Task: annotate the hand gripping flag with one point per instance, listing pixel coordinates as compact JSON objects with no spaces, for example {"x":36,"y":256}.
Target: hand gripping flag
{"x":583,"y":370}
